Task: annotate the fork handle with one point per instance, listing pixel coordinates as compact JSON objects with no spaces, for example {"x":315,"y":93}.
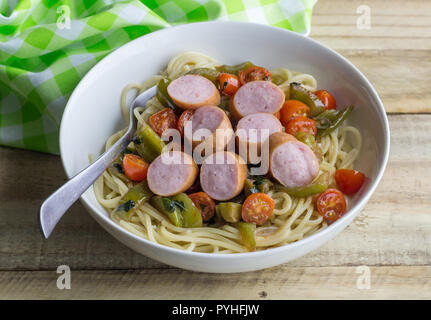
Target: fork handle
{"x":56,"y":205}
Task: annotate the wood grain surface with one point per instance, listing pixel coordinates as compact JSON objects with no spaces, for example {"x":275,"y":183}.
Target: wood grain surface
{"x":392,"y":235}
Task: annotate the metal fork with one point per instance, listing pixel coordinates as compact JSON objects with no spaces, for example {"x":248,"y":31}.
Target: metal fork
{"x":56,"y":205}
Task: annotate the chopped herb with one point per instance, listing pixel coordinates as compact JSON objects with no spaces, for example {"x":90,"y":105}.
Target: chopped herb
{"x":167,"y":203}
{"x":180,"y":204}
{"x":170,"y":205}
{"x":225,"y":85}
{"x":137,"y":140}
{"x":126,"y":206}
{"x":258,"y":180}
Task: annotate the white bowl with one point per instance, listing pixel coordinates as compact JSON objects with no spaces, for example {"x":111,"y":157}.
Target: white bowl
{"x":93,"y":114}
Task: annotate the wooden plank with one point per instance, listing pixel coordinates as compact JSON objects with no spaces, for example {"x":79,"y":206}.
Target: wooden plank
{"x":276,"y":283}
{"x":395,"y":54}
{"x":393,"y":229}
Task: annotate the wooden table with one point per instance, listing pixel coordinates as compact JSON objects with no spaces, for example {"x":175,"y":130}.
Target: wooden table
{"x":392,"y":236}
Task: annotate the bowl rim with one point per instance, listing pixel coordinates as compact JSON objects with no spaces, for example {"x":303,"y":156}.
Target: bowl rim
{"x":351,"y":213}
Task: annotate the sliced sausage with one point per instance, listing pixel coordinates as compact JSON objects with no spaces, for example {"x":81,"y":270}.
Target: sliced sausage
{"x":171,"y":173}
{"x":250,"y":133}
{"x":291,"y":162}
{"x":192,"y":91}
{"x":256,"y":96}
{"x":217,"y":125}
{"x":222,"y":175}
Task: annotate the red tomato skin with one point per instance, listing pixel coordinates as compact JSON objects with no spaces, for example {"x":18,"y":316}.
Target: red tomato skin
{"x":200,"y":198}
{"x":135,"y":168}
{"x":185,"y":116}
{"x":254,"y":73}
{"x":301,"y":124}
{"x":229,"y":83}
{"x":327,"y":99}
{"x":292,"y":109}
{"x":331,"y":205}
{"x":249,"y":213}
{"x":349,"y":181}
{"x":163,"y":120}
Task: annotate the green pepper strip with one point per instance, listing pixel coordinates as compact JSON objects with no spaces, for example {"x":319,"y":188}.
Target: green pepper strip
{"x":163,"y":96}
{"x":191,"y":214}
{"x":336,"y":122}
{"x":304,"y":191}
{"x":248,"y":234}
{"x":133,"y":198}
{"x":324,"y":119}
{"x":229,"y":211}
{"x":208,"y":73}
{"x":298,"y":92}
{"x":235,"y":69}
{"x":172,"y":212}
{"x":310,"y":141}
{"x":148,"y":144}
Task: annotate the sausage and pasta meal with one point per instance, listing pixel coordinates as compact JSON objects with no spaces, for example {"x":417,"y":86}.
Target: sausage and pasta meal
{"x":231,"y":158}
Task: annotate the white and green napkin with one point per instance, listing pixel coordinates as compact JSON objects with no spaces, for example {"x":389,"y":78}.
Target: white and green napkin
{"x":47,"y":46}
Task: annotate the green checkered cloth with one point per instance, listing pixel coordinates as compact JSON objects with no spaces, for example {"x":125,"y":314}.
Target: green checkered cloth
{"x":47,"y":46}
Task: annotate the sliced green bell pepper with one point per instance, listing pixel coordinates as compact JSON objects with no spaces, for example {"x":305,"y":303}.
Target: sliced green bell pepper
{"x":229,"y":211}
{"x":148,"y":143}
{"x":248,"y":234}
{"x":169,"y":208}
{"x":310,"y":141}
{"x":332,"y":121}
{"x":298,"y":92}
{"x":235,"y":69}
{"x":191,"y":214}
{"x":208,"y":73}
{"x":163,"y":96}
{"x":133,"y":198}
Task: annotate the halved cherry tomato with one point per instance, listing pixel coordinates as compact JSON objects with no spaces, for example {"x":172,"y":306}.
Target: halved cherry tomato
{"x":257,"y":208}
{"x":301,"y":124}
{"x":185,"y":116}
{"x":349,"y":181}
{"x":204,"y":203}
{"x":135,"y":167}
{"x":162,"y":120}
{"x":327,"y":99}
{"x":254,"y":73}
{"x":331,"y":205}
{"x":229,"y":83}
{"x":292,"y":109}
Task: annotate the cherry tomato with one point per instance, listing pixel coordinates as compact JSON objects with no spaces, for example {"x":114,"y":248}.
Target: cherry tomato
{"x":254,"y":73}
{"x":204,"y":203}
{"x":331,"y":205}
{"x":135,"y":167}
{"x":301,"y":124}
{"x":277,"y":115}
{"x":185,"y":116}
{"x":292,"y":109}
{"x":349,"y":181}
{"x":257,"y":208}
{"x":327,"y":99}
{"x":162,"y":120}
{"x":228,"y":83}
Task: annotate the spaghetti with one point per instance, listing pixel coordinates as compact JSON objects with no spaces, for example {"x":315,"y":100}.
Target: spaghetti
{"x":293,"y":218}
